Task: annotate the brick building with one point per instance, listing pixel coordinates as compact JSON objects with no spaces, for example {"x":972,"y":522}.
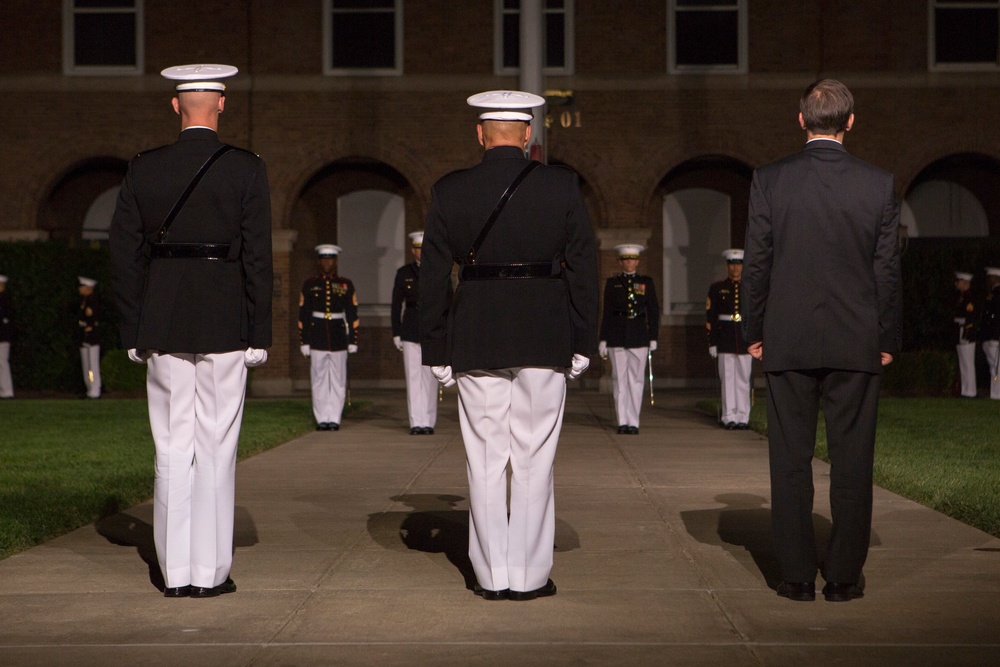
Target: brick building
{"x":664,"y":107}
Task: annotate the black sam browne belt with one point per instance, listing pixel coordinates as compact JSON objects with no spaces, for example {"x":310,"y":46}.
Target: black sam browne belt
{"x":509,"y":271}
{"x":189,"y":251}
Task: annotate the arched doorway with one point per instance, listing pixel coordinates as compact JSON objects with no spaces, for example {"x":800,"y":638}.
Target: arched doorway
{"x":954,"y":197}
{"x":83,"y":199}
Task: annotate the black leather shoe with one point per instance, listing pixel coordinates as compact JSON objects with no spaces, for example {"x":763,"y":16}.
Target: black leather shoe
{"x":416,"y":430}
{"x":428,"y":430}
{"x":333,"y":426}
{"x":633,"y":430}
{"x":178,"y":592}
{"x":842,"y":592}
{"x":321,"y":426}
{"x":798,"y":591}
{"x":622,"y":430}
{"x":227,"y":586}
{"x":548,"y":590}
{"x":490,"y":595}
{"x":730,"y":426}
{"x":742,"y":427}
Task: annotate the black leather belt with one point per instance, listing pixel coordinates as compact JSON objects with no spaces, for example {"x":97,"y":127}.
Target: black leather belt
{"x":189,"y":251}
{"x":508,"y":271}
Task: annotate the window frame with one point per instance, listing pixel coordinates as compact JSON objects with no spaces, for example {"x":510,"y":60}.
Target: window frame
{"x":932,"y":64}
{"x":569,"y":40}
{"x":742,"y":40}
{"x":70,"y":68}
{"x":328,"y":67}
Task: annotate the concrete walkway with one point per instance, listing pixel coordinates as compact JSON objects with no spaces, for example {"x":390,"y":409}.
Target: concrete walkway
{"x":351,"y":549}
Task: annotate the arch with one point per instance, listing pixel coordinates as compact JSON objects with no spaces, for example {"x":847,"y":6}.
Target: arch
{"x":97,"y":221}
{"x":72,"y":196}
{"x":954,"y":197}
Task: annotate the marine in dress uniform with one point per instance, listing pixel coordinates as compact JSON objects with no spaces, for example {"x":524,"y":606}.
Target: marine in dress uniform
{"x":193,"y":280}
{"x":6,"y":336}
{"x":629,"y":329}
{"x":965,"y":321}
{"x":89,"y":337}
{"x":328,"y":330}
{"x":522,"y":319}
{"x":989,"y":330}
{"x":724,"y":314}
{"x":421,"y":385}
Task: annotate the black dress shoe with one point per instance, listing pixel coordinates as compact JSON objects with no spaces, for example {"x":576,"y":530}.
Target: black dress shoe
{"x":842,"y":592}
{"x":178,"y":592}
{"x":548,"y":590}
{"x":322,"y":426}
{"x":428,"y":430}
{"x":416,"y":430}
{"x":490,"y":595}
{"x":742,"y":427}
{"x":798,"y":591}
{"x":227,"y":586}
{"x":333,"y":426}
{"x":633,"y":430}
{"x":730,"y":426}
{"x":622,"y":430}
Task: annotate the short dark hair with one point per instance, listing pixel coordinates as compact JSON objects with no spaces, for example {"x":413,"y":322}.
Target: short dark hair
{"x":826,"y":107}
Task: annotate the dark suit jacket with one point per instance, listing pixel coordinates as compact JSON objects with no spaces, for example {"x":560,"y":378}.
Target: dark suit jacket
{"x":821,"y":268}
{"x":491,"y":324}
{"x":194,"y":305}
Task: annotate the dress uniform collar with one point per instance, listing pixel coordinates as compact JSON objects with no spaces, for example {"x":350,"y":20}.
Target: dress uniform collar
{"x":198,"y":134}
{"x":504,"y":153}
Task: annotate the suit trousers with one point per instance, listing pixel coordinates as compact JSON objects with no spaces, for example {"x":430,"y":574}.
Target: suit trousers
{"x":195,"y":413}
{"x":90,"y":360}
{"x":967,"y":368}
{"x":514,"y":416}
{"x":6,"y":382}
{"x":734,"y":377}
{"x":421,"y":388}
{"x":328,"y":372}
{"x":990,"y":348}
{"x":850,"y":404}
{"x":628,"y":370}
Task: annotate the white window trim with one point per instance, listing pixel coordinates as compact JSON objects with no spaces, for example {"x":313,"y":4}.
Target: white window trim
{"x":742,"y":47}
{"x":569,"y":40}
{"x":69,"y":43}
{"x":932,"y":64}
{"x":330,"y":70}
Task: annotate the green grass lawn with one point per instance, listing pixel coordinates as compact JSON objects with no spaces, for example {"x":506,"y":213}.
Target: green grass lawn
{"x":940,"y":452}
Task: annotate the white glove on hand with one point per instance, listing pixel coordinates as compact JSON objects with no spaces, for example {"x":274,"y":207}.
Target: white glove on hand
{"x":137,"y":356}
{"x":602,"y":349}
{"x":713,"y":352}
{"x":443,"y":375}
{"x":352,"y":348}
{"x":254,"y":357}
{"x":304,"y":349}
{"x":398,"y":342}
{"x":652,"y":346}
{"x":578,"y":366}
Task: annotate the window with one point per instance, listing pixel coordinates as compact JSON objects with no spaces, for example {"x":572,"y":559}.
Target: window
{"x":557,"y":31}
{"x":707,"y":36}
{"x":964,"y":34}
{"x":362,"y":37}
{"x":102,"y":37}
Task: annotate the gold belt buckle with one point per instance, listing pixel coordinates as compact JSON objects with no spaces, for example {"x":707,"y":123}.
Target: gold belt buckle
{"x":736,"y":317}
{"x":327,"y":316}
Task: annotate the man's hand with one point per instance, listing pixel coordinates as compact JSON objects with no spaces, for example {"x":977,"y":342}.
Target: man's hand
{"x":713,"y":352}
{"x":138,"y":356}
{"x":352,"y":348}
{"x":602,"y":349}
{"x":398,"y":342}
{"x":443,"y":375}
{"x":756,"y":350}
{"x":254,"y":357}
{"x":304,"y":349}
{"x":652,"y":346}
{"x":886,"y":358}
{"x":578,"y":366}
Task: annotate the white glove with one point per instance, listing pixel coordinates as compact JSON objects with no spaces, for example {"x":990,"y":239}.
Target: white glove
{"x":602,"y":349}
{"x":254,"y":357}
{"x":352,"y":348}
{"x":398,"y":342}
{"x":578,"y":366}
{"x":304,"y":349}
{"x":713,"y":352}
{"x":652,"y":346}
{"x":138,"y":356}
{"x":443,"y":375}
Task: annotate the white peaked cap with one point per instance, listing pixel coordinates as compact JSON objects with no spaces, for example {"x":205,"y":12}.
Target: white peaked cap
{"x":199,"y":78}
{"x":961,"y":275}
{"x":733,"y":255}
{"x":506,"y":104}
{"x":629,"y":250}
{"x":328,"y":250}
{"x":416,"y":239}
{"x":89,"y":282}
{"x":990,"y":271}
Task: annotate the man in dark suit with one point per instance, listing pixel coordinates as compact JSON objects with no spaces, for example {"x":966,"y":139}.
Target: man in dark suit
{"x":193,"y":281}
{"x":523,"y":318}
{"x":822,"y":282}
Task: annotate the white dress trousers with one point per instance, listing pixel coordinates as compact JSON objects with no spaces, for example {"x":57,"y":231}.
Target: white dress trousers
{"x":90,"y":360}
{"x":990,"y":348}
{"x":967,"y":368}
{"x":421,"y":388}
{"x":628,"y":370}
{"x":511,"y":415}
{"x":734,"y":376}
{"x":6,"y":383}
{"x":328,"y":372}
{"x":195,"y":412}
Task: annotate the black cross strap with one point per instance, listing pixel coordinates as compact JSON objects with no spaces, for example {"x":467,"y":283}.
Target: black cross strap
{"x":470,"y":257}
{"x":179,"y":204}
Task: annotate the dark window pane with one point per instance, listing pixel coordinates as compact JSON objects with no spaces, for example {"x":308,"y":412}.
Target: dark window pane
{"x":966,"y":35}
{"x":707,"y":3}
{"x":511,"y":4}
{"x":80,"y":4}
{"x":554,"y":4}
{"x":555,"y":40}
{"x":707,"y":38}
{"x":364,"y":40}
{"x":363,"y":4}
{"x":104,"y":39}
{"x":511,"y":40}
